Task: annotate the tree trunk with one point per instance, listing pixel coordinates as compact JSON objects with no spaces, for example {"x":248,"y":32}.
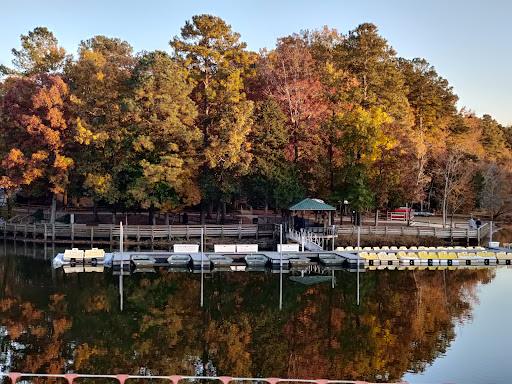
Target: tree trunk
{"x":151,"y":218}
{"x":223,"y":216}
{"x":166,"y":218}
{"x":95,"y":211}
{"x":445,"y":203}
{"x":331,"y":169}
{"x":203,"y":213}
{"x":210,"y":210}
{"x":114,"y":218}
{"x":377,"y":217}
{"x":265,"y":214}
{"x":53,"y":209}
{"x":8,"y":201}
{"x":217,"y":216}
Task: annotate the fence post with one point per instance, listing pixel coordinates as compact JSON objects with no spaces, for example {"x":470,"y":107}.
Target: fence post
{"x":53,"y":232}
{"x":257,"y":230}
{"x":467,"y":237}
{"x":186,"y":232}
{"x":152,"y":234}
{"x":169,"y":232}
{"x":34,"y":231}
{"x":72,"y":231}
{"x":419,"y":232}
{"x":45,"y":232}
{"x":138,"y":233}
{"x":92,"y":235}
{"x":25,"y":234}
{"x":111,"y":236}
{"x":239,"y":231}
{"x":478,"y":235}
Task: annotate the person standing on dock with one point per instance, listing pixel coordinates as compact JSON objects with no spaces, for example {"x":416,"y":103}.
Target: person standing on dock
{"x":478,"y":223}
{"x":471,"y":223}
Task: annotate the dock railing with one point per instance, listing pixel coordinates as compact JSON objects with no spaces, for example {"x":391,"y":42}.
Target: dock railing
{"x":111,"y":233}
{"x":444,"y":233}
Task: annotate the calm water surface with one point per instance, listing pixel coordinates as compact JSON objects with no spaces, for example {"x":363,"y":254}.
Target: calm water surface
{"x":418,"y":326}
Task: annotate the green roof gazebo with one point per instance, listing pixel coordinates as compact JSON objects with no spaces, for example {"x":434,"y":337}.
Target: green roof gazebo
{"x":308,"y":204}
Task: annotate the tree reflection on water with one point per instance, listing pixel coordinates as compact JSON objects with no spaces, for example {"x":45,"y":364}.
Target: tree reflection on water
{"x":55,"y":323}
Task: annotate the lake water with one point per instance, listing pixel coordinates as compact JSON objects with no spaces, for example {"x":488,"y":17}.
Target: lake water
{"x":418,"y":326}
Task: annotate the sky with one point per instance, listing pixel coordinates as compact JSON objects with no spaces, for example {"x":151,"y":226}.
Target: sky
{"x":467,"y":41}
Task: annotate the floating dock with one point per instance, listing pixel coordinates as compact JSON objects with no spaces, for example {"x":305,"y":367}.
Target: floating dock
{"x":343,"y":258}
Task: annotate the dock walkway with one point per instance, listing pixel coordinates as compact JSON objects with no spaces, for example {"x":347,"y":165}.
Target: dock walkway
{"x":82,"y":233}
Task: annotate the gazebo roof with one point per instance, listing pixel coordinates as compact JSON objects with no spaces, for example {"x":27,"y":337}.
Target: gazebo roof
{"x":311,"y":205}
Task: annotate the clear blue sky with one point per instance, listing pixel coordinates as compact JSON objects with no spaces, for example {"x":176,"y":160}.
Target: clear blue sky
{"x":468,"y":42}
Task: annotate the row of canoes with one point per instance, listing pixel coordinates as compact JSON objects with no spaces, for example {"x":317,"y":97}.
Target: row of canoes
{"x":413,"y":248}
{"x":433,"y":258}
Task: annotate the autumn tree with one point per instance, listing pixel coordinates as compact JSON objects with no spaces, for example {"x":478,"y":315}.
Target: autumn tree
{"x":496,"y":193}
{"x":99,"y":85}
{"x":456,"y":169}
{"x":218,"y":63}
{"x":291,"y":77}
{"x":39,"y":53}
{"x":37,"y":134}
{"x":269,"y":167}
{"x":160,"y":119}
{"x":493,"y":139}
{"x":432,"y":101}
{"x":380,"y":118}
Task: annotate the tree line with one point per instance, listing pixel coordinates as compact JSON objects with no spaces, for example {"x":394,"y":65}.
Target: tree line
{"x":327,"y":115}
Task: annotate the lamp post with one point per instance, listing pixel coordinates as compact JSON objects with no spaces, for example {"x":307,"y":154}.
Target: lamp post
{"x":202,"y":272}
{"x":280,"y":266}
{"x":121,"y":266}
{"x":358,"y":248}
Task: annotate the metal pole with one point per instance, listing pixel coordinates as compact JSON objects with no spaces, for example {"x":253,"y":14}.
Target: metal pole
{"x":358,"y":246}
{"x":280,"y":266}
{"x":121,"y":266}
{"x":202,"y":272}
{"x":333,"y":229}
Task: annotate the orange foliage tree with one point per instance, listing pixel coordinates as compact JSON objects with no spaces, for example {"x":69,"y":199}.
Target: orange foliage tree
{"x":36,"y":134}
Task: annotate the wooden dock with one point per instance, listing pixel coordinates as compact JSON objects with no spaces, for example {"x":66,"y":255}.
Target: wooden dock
{"x":109,"y":234}
{"x":442,"y":233}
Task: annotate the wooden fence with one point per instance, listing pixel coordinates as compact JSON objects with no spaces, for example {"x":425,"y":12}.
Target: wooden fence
{"x":443,"y":233}
{"x":111,"y":233}
{"x":457,"y":232}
